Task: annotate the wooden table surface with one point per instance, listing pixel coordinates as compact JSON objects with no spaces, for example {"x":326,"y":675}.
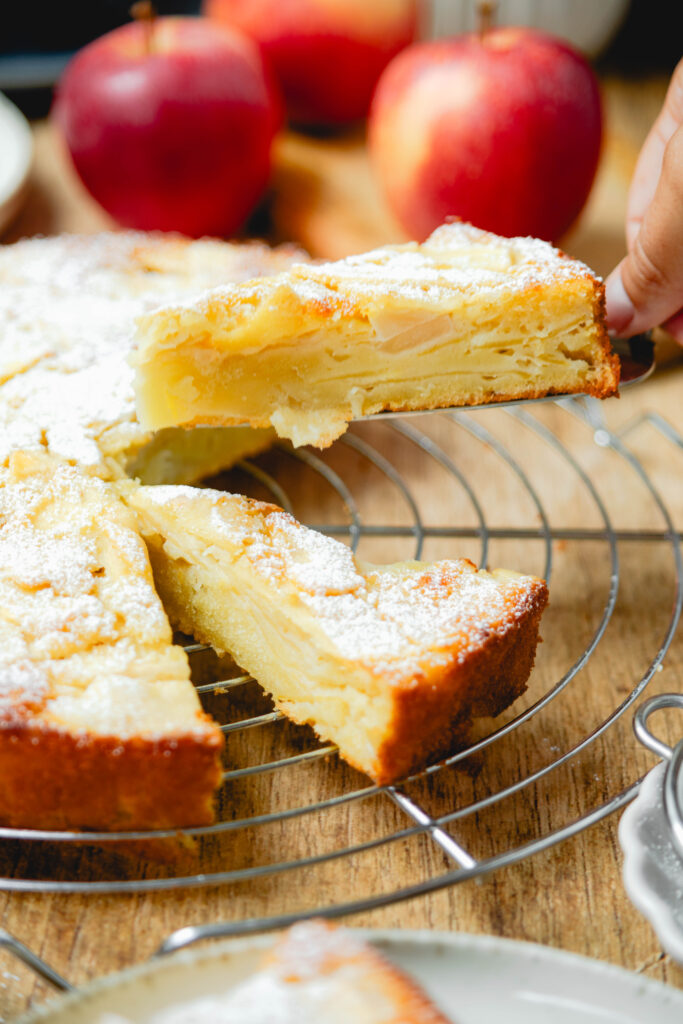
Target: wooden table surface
{"x":571,"y":895}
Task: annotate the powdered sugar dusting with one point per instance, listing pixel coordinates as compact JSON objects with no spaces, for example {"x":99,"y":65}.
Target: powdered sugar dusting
{"x":84,"y":638}
{"x":23,"y":683}
{"x":317,"y":565}
{"x":42,"y":561}
{"x":310,"y":948}
{"x":374,"y":615}
{"x":55,"y":586}
{"x":396,"y":616}
{"x":457,"y":259}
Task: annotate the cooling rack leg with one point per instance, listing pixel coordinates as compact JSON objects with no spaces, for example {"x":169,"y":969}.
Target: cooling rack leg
{"x":441,"y":838}
{"x":23,"y":953}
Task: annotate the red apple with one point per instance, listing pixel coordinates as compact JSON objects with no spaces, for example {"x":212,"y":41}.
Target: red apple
{"x":170,"y":124}
{"x":501,"y":129}
{"x":327,"y":54}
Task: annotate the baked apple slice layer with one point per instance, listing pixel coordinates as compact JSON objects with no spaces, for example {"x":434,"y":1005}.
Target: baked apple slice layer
{"x":463,"y":319}
{"x":391,"y":663}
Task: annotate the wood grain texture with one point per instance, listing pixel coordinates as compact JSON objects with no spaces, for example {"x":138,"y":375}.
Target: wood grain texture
{"x":570,"y":896}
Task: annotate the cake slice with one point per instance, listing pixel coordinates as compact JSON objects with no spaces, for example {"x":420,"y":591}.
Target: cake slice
{"x":315,"y":973}
{"x":67,"y":313}
{"x":100,"y":726}
{"x":463,"y":319}
{"x":339,"y":977}
{"x":391,"y":663}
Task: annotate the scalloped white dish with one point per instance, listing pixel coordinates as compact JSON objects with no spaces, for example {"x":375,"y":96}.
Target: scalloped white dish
{"x":16,"y":157}
{"x":653,"y":870}
{"x":474,"y":979}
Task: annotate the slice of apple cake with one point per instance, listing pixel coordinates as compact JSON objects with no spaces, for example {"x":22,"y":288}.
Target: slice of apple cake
{"x":319,"y":971}
{"x":391,"y":663}
{"x":465,"y":318}
{"x":100,"y":726}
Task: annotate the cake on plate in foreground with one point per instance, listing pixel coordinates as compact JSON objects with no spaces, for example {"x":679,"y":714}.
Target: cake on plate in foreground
{"x":100,"y":726}
{"x":465,"y":318}
{"x":315,"y":972}
{"x":391,"y":663}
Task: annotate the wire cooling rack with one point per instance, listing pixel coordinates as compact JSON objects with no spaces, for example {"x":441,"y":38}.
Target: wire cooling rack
{"x":292,"y":817}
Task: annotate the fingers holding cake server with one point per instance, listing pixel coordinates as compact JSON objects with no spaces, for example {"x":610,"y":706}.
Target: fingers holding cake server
{"x":646,"y":288}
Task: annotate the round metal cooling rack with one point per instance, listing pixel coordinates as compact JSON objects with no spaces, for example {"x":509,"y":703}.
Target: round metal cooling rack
{"x":445,"y":444}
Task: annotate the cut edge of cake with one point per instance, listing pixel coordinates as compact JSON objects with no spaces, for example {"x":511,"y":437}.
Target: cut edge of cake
{"x":390,"y":663}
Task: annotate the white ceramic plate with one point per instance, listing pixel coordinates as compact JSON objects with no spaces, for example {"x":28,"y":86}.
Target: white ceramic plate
{"x":16,"y":155}
{"x":653,"y":870}
{"x":474,"y":979}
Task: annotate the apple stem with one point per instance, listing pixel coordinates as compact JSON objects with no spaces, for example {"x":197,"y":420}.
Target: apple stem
{"x":144,"y":11}
{"x":486,"y":12}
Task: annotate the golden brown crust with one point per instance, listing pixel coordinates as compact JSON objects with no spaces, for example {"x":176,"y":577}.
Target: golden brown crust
{"x":412,"y":1005}
{"x":433,"y":714}
{"x":53,"y":779}
{"x":607,"y":384}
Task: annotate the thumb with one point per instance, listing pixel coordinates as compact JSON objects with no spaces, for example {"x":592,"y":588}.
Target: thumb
{"x":646,"y":289}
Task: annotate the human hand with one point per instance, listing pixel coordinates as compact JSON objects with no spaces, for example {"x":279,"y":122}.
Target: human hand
{"x":646,"y":288}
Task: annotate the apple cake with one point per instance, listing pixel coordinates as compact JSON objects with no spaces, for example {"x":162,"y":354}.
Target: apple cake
{"x":100,"y":726}
{"x":338,"y":977}
{"x":67,"y":310}
{"x":465,"y":318}
{"x":390,"y":663}
{"x":315,"y":972}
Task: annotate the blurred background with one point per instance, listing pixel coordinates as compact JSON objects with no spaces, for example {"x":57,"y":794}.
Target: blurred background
{"x":323,"y":189}
{"x":633,"y":37}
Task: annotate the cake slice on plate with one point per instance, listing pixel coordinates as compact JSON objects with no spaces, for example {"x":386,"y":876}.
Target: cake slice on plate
{"x":465,"y":318}
{"x":315,"y":972}
{"x":100,"y":726}
{"x":391,"y":663}
{"x":336,"y":976}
